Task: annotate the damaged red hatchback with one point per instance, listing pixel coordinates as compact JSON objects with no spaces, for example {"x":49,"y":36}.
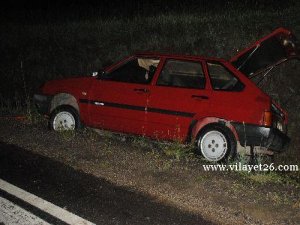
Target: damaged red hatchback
{"x":209,"y":101}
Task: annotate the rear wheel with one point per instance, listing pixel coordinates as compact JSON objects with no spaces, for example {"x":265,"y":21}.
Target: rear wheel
{"x":64,"y":118}
{"x":216,"y":143}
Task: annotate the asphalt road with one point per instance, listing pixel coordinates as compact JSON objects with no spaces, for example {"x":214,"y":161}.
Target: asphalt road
{"x":91,"y":198}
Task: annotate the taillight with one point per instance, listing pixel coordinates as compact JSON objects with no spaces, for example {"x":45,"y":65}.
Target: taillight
{"x":267,"y":119}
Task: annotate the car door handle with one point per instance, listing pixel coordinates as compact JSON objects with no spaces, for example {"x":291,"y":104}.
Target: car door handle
{"x":204,"y":97}
{"x":143,"y":90}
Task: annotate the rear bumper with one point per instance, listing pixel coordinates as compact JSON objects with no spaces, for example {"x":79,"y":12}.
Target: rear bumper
{"x":252,"y":135}
{"x":42,"y":103}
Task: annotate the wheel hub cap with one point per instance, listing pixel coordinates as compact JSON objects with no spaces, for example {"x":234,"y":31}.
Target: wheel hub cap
{"x":64,"y":121}
{"x":213,"y":145}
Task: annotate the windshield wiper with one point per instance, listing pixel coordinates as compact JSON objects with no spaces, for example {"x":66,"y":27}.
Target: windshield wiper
{"x":266,"y":73}
{"x":268,"y":70}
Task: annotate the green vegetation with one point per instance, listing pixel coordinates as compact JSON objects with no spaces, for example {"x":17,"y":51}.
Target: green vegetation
{"x":34,"y":53}
{"x":266,"y":178}
{"x":67,"y":135}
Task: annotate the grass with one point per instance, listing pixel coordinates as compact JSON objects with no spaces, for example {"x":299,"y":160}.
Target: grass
{"x":67,"y":135}
{"x":72,"y":48}
{"x":263,"y":178}
{"x":168,"y":154}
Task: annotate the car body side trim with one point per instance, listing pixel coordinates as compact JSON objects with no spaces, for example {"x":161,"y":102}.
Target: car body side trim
{"x":139,"y":108}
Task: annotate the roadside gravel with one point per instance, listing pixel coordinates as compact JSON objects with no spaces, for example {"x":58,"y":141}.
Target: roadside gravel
{"x":143,"y":165}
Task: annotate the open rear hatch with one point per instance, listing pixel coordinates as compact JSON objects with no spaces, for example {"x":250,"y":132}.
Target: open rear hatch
{"x":261,"y":57}
{"x":268,"y":52}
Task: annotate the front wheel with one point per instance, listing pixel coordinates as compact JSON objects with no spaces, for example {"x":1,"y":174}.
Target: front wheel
{"x":64,"y":118}
{"x":216,"y":143}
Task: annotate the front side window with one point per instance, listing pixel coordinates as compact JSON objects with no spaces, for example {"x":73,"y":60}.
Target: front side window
{"x":184,"y":74}
{"x":222,"y":79}
{"x":137,"y":70}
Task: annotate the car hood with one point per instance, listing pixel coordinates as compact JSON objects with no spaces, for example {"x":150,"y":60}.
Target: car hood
{"x":74,"y":84}
{"x":268,"y":52}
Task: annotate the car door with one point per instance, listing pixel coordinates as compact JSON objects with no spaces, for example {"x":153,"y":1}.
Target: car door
{"x":178,"y":95}
{"x":118,"y":99}
{"x":232,"y":99}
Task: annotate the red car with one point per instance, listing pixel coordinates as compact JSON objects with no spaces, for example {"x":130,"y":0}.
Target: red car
{"x":211,"y":101}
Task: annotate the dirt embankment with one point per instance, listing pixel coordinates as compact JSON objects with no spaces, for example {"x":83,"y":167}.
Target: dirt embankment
{"x":143,"y":165}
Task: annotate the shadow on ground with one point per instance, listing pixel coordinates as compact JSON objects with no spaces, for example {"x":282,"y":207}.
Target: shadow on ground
{"x":90,"y":197}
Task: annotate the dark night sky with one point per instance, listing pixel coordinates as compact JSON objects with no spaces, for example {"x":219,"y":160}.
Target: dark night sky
{"x":129,"y":7}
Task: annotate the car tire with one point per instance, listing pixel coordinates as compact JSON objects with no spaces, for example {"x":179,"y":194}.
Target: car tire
{"x":64,"y":118}
{"x":216,"y":143}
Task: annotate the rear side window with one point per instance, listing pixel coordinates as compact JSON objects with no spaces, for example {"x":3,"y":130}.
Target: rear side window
{"x":222,"y":79}
{"x":184,"y":74}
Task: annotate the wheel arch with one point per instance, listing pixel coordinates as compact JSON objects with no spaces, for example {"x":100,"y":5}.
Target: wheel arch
{"x":197,"y":125}
{"x":63,"y":99}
